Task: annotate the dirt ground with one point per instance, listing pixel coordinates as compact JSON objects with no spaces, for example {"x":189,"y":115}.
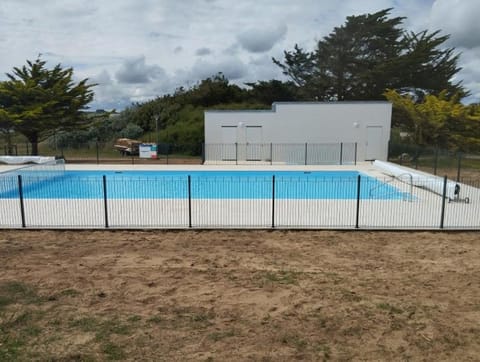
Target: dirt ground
{"x":239,"y":295}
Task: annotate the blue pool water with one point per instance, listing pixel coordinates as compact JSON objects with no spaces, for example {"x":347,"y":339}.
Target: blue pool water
{"x":203,"y":185}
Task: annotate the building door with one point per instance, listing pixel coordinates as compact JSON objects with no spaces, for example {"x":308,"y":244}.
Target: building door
{"x":228,"y":146}
{"x":254,"y":143}
{"x":374,"y":143}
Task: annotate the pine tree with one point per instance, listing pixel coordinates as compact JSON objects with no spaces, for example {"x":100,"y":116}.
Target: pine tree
{"x":38,"y":101}
{"x":368,"y":54}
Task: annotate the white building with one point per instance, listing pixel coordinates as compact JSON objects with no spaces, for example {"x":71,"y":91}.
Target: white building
{"x":297,"y":132}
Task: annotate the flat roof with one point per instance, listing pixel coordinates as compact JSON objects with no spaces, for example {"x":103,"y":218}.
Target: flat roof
{"x":312,"y":103}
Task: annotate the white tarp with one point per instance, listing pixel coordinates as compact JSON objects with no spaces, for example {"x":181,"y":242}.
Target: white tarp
{"x":18,"y":160}
{"x":421,"y":179}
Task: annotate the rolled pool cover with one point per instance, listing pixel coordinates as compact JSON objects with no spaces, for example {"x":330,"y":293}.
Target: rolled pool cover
{"x":421,"y":179}
{"x":18,"y":160}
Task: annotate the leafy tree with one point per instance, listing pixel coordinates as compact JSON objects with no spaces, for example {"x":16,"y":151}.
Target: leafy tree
{"x":268,"y":92}
{"x":39,"y":101}
{"x":178,"y":117}
{"x":367,"y":55}
{"x":131,"y":131}
{"x":439,"y":120}
{"x":428,"y":69}
{"x":300,"y":67}
{"x":212,"y":91}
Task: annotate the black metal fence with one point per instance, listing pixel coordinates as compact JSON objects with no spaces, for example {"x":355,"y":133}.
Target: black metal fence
{"x":281,"y":153}
{"x":457,"y":165}
{"x":184,"y":201}
{"x":236,"y":153}
{"x":104,"y":152}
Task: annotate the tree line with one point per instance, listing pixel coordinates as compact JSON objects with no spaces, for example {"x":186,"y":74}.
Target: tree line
{"x":369,"y":57}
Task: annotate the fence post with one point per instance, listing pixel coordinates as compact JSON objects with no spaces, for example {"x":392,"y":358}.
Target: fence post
{"x":357,"y":214}
{"x":435,"y":161}
{"x":22,"y":206}
{"x":236,"y":153}
{"x":273,"y":201}
{"x":271,"y":153}
{"x":417,"y":156}
{"x":355,"y":157}
{"x":341,"y":152}
{"x":306,"y":152}
{"x":105,"y":205}
{"x":189,"y":201}
{"x":96,"y":147}
{"x":459,"y":165}
{"x":444,"y":196}
{"x":203,"y":153}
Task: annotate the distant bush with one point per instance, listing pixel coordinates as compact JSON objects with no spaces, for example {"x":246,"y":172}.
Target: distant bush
{"x":132,"y":131}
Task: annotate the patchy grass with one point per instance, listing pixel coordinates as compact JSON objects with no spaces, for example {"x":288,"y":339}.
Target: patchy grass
{"x":70,"y":293}
{"x":220,"y":335}
{"x":281,"y":277}
{"x":17,"y":292}
{"x":389,"y":308}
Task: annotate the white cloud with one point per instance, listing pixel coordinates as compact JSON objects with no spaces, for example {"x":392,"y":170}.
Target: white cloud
{"x":260,"y":40}
{"x":135,"y":70}
{"x":203,"y":51}
{"x":141,"y":49}
{"x":460,"y":18}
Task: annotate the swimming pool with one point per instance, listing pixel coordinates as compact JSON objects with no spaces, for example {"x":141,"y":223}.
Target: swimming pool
{"x":197,"y":185}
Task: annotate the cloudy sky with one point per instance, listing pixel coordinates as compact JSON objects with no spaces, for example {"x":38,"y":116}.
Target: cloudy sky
{"x":139,"y":49}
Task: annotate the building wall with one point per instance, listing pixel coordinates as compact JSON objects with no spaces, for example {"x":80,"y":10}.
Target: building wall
{"x":315,"y":122}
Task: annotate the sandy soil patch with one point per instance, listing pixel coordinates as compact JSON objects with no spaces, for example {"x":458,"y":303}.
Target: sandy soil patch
{"x":239,"y":295}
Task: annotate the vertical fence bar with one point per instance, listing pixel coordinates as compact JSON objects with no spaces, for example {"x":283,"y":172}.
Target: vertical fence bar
{"x":355,"y":156}
{"x":306,"y":152}
{"x":203,"y":153}
{"x":236,"y":153}
{"x":444,"y":196}
{"x":105,"y":204}
{"x":459,"y":165}
{"x":273,"y":201}
{"x":271,"y":153}
{"x":96,"y":147}
{"x":341,"y":152}
{"x":435,"y":161}
{"x":189,"y":201}
{"x":417,"y":156}
{"x":357,"y":214}
{"x":22,"y":206}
